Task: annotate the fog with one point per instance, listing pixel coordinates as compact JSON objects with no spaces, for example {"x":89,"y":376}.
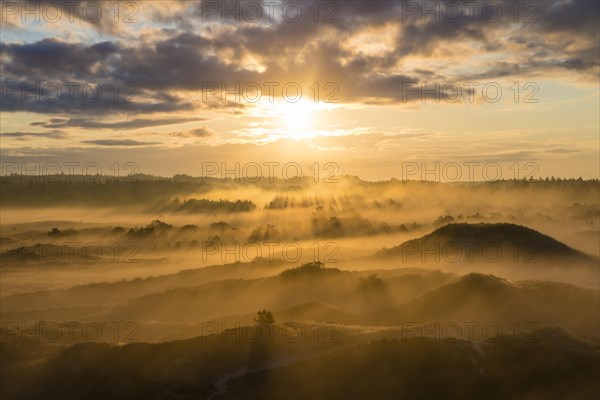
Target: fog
{"x":335,"y":265}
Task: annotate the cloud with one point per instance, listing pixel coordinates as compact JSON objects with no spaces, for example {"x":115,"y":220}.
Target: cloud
{"x":88,"y":94}
{"x":55,"y":134}
{"x":95,"y":16}
{"x":54,"y":59}
{"x":562,"y":151}
{"x":197,"y":133}
{"x":172,"y":60}
{"x":95,"y":124}
{"x":120,"y":143}
{"x":574,"y":17}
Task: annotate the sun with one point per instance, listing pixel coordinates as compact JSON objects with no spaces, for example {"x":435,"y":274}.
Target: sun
{"x":300,"y":120}
{"x":294,"y":119}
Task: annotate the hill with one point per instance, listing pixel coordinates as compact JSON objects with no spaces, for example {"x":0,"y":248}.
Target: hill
{"x":555,"y":365}
{"x":500,"y":248}
{"x":495,"y":304}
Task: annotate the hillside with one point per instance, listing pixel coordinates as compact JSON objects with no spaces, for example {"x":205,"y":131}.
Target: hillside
{"x":486,"y":300}
{"x":521,"y":244}
{"x":314,"y":292}
{"x":503,"y":249}
{"x":554,"y":365}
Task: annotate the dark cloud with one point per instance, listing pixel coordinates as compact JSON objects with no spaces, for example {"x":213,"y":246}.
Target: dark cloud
{"x":52,"y":59}
{"x":84,"y":96}
{"x":576,"y":17}
{"x":181,"y":62}
{"x":183,"y":58}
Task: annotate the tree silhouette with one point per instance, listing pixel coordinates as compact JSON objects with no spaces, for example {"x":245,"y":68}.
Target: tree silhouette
{"x":264,"y":317}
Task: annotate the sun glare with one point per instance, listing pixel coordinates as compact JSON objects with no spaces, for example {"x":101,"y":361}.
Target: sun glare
{"x":294,"y":119}
{"x":301,"y":120}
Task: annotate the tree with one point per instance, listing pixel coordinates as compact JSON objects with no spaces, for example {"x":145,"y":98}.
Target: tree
{"x":264,"y":317}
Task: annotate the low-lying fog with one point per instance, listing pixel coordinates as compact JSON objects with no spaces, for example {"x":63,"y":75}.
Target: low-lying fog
{"x":347,"y":264}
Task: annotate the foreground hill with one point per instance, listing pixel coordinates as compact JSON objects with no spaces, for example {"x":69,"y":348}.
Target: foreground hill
{"x":553,"y":365}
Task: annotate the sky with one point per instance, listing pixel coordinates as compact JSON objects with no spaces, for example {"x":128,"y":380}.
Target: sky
{"x":407,"y":89}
